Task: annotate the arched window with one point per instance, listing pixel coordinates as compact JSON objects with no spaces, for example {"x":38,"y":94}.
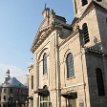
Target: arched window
{"x":84,"y":2}
{"x":100,"y":82}
{"x":85,"y":33}
{"x":70,"y":65}
{"x":44,"y":63}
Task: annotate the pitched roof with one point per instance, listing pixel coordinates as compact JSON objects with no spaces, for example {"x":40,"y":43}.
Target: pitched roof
{"x":13,"y":82}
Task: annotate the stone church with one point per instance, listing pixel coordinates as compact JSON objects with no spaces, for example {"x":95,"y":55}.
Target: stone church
{"x":70,"y":60}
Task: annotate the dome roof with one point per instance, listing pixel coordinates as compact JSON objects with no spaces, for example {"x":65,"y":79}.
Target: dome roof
{"x":13,"y":82}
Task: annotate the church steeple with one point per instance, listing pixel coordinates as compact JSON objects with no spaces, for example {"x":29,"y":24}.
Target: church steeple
{"x":80,"y":6}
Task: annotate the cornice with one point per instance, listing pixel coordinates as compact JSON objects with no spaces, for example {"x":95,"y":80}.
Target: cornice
{"x":91,"y":50}
{"x":41,"y":36}
{"x":44,"y":32}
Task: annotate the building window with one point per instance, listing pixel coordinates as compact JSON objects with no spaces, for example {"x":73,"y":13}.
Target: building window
{"x":44,"y":63}
{"x":71,"y":102}
{"x":100,"y":82}
{"x":44,"y":98}
{"x":4,"y":90}
{"x":11,"y":90}
{"x":32,"y":80}
{"x":4,"y":105}
{"x":84,"y":2}
{"x":4,"y":98}
{"x":70,"y":65}
{"x":85,"y":33}
{"x":106,"y":20}
{"x":44,"y":101}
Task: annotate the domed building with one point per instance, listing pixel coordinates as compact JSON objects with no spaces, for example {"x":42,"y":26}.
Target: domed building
{"x":13,"y":92}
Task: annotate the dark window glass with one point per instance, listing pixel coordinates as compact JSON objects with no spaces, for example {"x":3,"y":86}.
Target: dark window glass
{"x":100,"y":83}
{"x":4,"y":97}
{"x":44,"y":63}
{"x":44,"y":102}
{"x":32,"y":79}
{"x":4,"y":90}
{"x":11,"y":90}
{"x":106,"y":20}
{"x":85,"y":33}
{"x":70,"y":65}
{"x":84,"y":2}
{"x":4,"y":105}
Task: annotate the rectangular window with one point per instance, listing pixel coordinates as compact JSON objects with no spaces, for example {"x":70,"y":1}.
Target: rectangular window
{"x":71,"y":103}
{"x":4,"y":98}
{"x":11,"y":90}
{"x":44,"y":101}
{"x":4,"y":90}
{"x":32,"y":81}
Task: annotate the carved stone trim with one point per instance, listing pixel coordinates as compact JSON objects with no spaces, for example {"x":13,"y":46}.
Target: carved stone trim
{"x":44,"y":32}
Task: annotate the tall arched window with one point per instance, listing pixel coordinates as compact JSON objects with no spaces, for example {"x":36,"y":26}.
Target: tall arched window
{"x":100,"y":82}
{"x":44,"y":63}
{"x":85,"y":33}
{"x":70,"y":65}
{"x":84,"y":2}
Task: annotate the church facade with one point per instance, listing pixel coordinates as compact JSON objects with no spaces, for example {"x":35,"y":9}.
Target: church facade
{"x":70,"y":60}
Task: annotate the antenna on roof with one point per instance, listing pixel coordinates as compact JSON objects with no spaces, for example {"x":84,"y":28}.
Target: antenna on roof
{"x":7,"y":75}
{"x":8,"y":72}
{"x":45,"y":5}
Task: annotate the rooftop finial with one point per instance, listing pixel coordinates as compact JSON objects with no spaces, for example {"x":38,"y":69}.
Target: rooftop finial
{"x":45,"y":6}
{"x":7,"y":75}
{"x":8,"y":72}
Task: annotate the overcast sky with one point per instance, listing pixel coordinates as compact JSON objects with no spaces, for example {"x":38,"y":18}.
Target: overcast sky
{"x":19,"y":21}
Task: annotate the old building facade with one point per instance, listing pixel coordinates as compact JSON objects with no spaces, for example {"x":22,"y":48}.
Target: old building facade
{"x":70,"y":60}
{"x":13,"y":93}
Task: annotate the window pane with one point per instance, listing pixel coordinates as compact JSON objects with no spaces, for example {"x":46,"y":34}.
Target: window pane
{"x":69,"y":62}
{"x":71,"y":102}
{"x":85,"y":33}
{"x":32,"y":79}
{"x":44,"y":63}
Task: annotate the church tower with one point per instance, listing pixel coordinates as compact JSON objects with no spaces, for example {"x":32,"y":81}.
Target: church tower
{"x":92,"y":21}
{"x":81,"y":5}
{"x":88,"y":13}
